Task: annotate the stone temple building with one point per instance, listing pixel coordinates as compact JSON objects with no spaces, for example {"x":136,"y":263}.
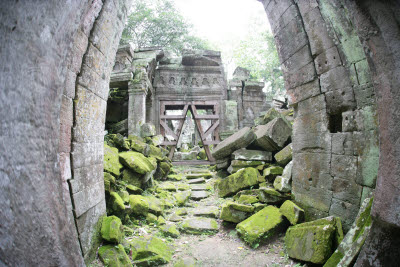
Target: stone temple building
{"x":341,"y":65}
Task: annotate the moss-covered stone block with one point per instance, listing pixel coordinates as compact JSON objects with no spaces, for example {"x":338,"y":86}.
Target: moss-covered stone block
{"x":233,"y":212}
{"x":114,"y":256}
{"x":238,"y":181}
{"x":170,"y":230}
{"x":284,"y":156}
{"x":150,"y":251}
{"x":182,"y":197}
{"x":312,"y":243}
{"x":261,"y":225}
{"x":133,"y":190}
{"x":282,"y":184}
{"x":155,"y":152}
{"x":272,"y":171}
{"x":151,"y":218}
{"x":139,"y":204}
{"x":136,"y":162}
{"x":132,"y":177}
{"x":117,"y":203}
{"x":352,"y":243}
{"x":108,"y":181}
{"x":198,"y":226}
{"x":121,"y":142}
{"x":112,"y":229}
{"x":266,"y":195}
{"x":111,"y":160}
{"x":137,"y":145}
{"x":292,"y":212}
{"x":240,"y":164}
{"x":247,"y":199}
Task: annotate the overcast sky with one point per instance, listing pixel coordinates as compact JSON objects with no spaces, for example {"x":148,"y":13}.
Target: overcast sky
{"x":220,"y":20}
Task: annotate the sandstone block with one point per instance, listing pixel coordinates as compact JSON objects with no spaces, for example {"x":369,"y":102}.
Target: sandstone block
{"x":284,"y":156}
{"x":198,"y":226}
{"x":233,"y":212}
{"x":237,"y":181}
{"x":263,"y":224}
{"x":240,"y":164}
{"x":292,"y":212}
{"x":150,"y":251}
{"x":112,"y":229}
{"x":111,"y":160}
{"x":147,"y":130}
{"x":273,"y":136}
{"x":136,"y":162}
{"x":238,"y":140}
{"x":114,"y":256}
{"x":282,"y":184}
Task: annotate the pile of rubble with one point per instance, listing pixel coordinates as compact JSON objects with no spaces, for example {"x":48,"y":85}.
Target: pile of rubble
{"x":255,"y":170}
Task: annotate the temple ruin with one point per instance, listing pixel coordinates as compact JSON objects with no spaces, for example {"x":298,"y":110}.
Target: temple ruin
{"x":65,"y":80}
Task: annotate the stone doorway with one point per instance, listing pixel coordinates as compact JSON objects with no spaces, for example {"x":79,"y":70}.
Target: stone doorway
{"x":201,"y":112}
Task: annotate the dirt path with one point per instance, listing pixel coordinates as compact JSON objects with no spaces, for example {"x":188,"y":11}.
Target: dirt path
{"x":223,"y":248}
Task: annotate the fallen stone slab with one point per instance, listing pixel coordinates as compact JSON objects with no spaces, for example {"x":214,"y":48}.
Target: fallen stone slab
{"x":198,"y":195}
{"x":314,"y":241}
{"x":197,"y":181}
{"x":150,"y":251}
{"x":167,"y":186}
{"x":245,"y":154}
{"x":292,"y":212}
{"x":272,"y":172}
{"x":111,"y":161}
{"x":210,"y":212}
{"x":352,"y":243}
{"x":272,"y":136}
{"x":199,"y":225}
{"x":205,"y":175}
{"x":238,"y":181}
{"x":284,"y":156}
{"x":234,"y":212}
{"x":170,"y":230}
{"x":238,"y":140}
{"x":261,"y":225}
{"x":114,"y":255}
{"x":240,"y":164}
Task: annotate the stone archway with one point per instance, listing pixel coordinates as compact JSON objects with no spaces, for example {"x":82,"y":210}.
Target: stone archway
{"x":38,"y":113}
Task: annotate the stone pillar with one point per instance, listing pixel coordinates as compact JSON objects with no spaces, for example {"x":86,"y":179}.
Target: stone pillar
{"x":136,"y":108}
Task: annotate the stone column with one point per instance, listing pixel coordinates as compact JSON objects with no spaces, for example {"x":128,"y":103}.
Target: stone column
{"x":136,"y":108}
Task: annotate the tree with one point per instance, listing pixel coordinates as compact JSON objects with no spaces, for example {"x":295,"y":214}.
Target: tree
{"x":257,"y":53}
{"x":159,"y":23}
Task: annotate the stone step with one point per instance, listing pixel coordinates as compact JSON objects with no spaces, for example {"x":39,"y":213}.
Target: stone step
{"x":210,"y":212}
{"x":198,"y":195}
{"x":197,"y":181}
{"x":199,"y":225}
{"x":200,"y":187}
{"x":205,"y":175}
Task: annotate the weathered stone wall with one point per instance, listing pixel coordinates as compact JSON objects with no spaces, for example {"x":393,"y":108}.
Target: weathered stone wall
{"x":335,"y":135}
{"x":43,"y":44}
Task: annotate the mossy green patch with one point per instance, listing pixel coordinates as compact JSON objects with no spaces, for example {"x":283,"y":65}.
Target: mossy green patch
{"x":261,"y":225}
{"x":292,"y":212}
{"x":170,"y":230}
{"x":133,"y":190}
{"x":114,"y":256}
{"x":111,"y":160}
{"x":108,"y":181}
{"x":182,"y":197}
{"x":132,"y":177}
{"x":247,"y":199}
{"x":112,"y":229}
{"x":117,"y":203}
{"x":139,"y":204}
{"x":238,"y":181}
{"x":150,"y":251}
{"x":136,"y":162}
{"x":233,"y":212}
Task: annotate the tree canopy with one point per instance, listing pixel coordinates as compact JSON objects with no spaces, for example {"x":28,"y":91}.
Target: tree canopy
{"x":159,"y":23}
{"x":257,"y":53}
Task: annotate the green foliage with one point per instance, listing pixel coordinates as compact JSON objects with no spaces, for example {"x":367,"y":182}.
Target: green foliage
{"x":257,"y":53}
{"x":159,"y":23}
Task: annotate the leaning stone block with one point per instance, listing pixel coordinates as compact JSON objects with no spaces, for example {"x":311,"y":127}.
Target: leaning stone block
{"x":233,"y":212}
{"x":263,"y":224}
{"x":284,"y":156}
{"x":238,"y":140}
{"x":292,"y":212}
{"x":240,"y":164}
{"x":273,"y":136}
{"x":352,"y":243}
{"x":244,"y":154}
{"x":237,"y":181}
{"x":112,"y":229}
